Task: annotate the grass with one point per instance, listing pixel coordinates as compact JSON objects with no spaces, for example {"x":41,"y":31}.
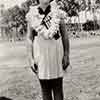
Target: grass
{"x":82,"y":82}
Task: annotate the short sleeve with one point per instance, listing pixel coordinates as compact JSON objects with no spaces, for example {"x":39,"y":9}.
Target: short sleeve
{"x":28,"y":17}
{"x":31,"y":15}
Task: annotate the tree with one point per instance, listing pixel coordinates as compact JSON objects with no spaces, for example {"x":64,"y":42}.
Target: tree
{"x":82,"y":5}
{"x":91,"y":25}
{"x":97,"y":2}
{"x":70,"y":6}
{"x":25,"y":5}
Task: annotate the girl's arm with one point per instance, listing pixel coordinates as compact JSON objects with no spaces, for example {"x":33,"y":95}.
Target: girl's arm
{"x":65,"y":39}
{"x":30,"y":41}
{"x":65,"y":42}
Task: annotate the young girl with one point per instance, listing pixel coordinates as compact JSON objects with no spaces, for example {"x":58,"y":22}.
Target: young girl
{"x":48,"y":47}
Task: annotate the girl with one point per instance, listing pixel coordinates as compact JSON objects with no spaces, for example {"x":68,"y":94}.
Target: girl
{"x":48,"y":47}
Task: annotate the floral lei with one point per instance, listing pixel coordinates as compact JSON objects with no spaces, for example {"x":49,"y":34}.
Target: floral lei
{"x":54,"y":27}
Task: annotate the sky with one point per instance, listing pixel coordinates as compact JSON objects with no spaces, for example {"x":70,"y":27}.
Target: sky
{"x":11,"y":3}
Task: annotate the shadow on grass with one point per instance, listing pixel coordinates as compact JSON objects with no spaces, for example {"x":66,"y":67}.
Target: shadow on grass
{"x":4,"y":98}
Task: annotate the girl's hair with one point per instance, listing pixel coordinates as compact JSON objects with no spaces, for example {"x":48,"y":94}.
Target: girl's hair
{"x":39,"y":2}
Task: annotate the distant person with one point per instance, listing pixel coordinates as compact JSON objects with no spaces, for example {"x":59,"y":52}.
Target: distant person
{"x":48,"y":47}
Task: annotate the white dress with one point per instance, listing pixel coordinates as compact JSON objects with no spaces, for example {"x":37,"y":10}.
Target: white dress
{"x":48,"y":54}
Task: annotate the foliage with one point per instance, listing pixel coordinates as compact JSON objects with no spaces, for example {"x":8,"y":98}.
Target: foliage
{"x":15,"y":16}
{"x":90,"y":25}
{"x":70,"y":6}
{"x":97,"y":1}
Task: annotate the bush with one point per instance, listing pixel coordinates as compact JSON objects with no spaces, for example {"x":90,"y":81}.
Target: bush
{"x":90,"y":25}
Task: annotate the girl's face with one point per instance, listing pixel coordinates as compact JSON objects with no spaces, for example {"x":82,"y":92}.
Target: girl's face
{"x":44,"y":2}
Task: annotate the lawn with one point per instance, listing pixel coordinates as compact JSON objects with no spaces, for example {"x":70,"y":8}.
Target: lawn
{"x":81,"y":81}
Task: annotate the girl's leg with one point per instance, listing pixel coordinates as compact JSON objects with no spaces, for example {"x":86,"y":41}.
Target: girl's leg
{"x":58,"y":89}
{"x":46,"y":90}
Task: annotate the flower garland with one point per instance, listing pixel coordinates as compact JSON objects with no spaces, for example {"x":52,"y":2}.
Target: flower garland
{"x":55,"y":21}
{"x":54,"y":27}
{"x":41,"y":29}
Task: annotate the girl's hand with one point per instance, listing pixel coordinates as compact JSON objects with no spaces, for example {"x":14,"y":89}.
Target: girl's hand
{"x":65,"y":62}
{"x":33,"y":66}
{"x":35,"y":69}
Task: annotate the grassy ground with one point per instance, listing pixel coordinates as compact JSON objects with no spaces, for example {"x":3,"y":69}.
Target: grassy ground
{"x":81,"y":82}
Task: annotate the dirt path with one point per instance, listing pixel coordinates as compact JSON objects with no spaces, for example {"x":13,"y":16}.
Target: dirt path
{"x":20,"y":83}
